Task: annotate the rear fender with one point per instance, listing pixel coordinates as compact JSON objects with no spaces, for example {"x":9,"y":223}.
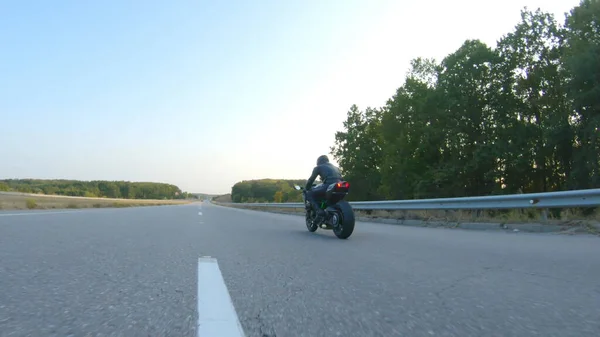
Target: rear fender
{"x":336,"y":192}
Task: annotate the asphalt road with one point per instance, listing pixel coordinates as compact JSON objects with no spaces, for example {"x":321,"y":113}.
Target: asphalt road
{"x":133,"y":272}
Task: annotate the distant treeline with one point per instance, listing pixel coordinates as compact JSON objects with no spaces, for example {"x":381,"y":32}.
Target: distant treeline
{"x":266,"y":190}
{"x":97,"y":188}
{"x":223,"y":198}
{"x":521,"y":117}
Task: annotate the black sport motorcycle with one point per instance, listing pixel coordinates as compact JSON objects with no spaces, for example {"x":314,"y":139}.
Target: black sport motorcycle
{"x":339,"y":215}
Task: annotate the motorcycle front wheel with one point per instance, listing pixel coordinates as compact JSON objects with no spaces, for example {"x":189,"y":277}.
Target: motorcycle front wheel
{"x":310,"y":223}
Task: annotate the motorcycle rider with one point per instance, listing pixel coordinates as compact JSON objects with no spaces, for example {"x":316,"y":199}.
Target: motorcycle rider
{"x":329,"y":174}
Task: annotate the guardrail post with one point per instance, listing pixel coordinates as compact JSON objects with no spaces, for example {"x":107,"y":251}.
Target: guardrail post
{"x":475,"y":213}
{"x":544,"y":214}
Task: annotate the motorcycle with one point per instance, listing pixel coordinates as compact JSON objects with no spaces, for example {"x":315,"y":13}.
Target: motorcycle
{"x":339,"y":215}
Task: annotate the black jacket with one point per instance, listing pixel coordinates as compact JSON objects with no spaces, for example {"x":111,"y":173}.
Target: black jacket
{"x":328,"y":172}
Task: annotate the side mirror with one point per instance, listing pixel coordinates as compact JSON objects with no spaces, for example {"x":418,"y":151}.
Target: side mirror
{"x":298,"y":188}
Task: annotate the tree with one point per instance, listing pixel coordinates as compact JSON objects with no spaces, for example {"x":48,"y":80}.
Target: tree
{"x":266,"y":190}
{"x":536,"y":112}
{"x":521,"y":117}
{"x":358,"y":152}
{"x":110,"y":189}
{"x":582,"y":70}
{"x":278,"y":197}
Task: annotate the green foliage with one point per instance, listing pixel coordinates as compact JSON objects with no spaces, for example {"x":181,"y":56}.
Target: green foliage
{"x":4,"y":187}
{"x":278,"y":197}
{"x":266,"y":190}
{"x":521,"y":117}
{"x":103,"y":189}
{"x":30,"y":203}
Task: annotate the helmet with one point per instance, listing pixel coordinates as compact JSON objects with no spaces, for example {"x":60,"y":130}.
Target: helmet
{"x":322,"y":160}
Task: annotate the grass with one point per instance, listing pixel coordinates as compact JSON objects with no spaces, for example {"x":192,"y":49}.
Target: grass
{"x":32,"y":201}
{"x":567,"y":217}
{"x":496,"y":216}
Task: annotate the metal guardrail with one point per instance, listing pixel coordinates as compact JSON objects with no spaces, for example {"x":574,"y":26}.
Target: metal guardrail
{"x":563,"y":199}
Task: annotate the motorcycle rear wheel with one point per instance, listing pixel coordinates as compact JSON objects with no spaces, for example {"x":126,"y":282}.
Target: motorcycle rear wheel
{"x":344,"y":225}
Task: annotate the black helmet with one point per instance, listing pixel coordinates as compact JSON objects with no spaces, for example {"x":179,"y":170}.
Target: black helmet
{"x":322,"y":160}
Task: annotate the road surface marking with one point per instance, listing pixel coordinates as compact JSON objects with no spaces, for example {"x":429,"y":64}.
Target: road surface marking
{"x":199,"y":213}
{"x":37,"y":213}
{"x":216,"y":314}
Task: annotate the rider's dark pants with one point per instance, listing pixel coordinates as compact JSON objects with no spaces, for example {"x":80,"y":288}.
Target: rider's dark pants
{"x":316,"y":193}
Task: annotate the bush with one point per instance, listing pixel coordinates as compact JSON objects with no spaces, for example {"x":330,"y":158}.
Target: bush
{"x":30,"y":203}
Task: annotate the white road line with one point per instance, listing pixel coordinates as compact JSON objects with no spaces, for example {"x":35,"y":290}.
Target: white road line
{"x":216,"y":314}
{"x":199,"y":213}
{"x":37,"y":213}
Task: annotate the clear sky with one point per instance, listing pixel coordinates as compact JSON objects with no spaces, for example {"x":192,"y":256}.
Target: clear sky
{"x":203,"y":94}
